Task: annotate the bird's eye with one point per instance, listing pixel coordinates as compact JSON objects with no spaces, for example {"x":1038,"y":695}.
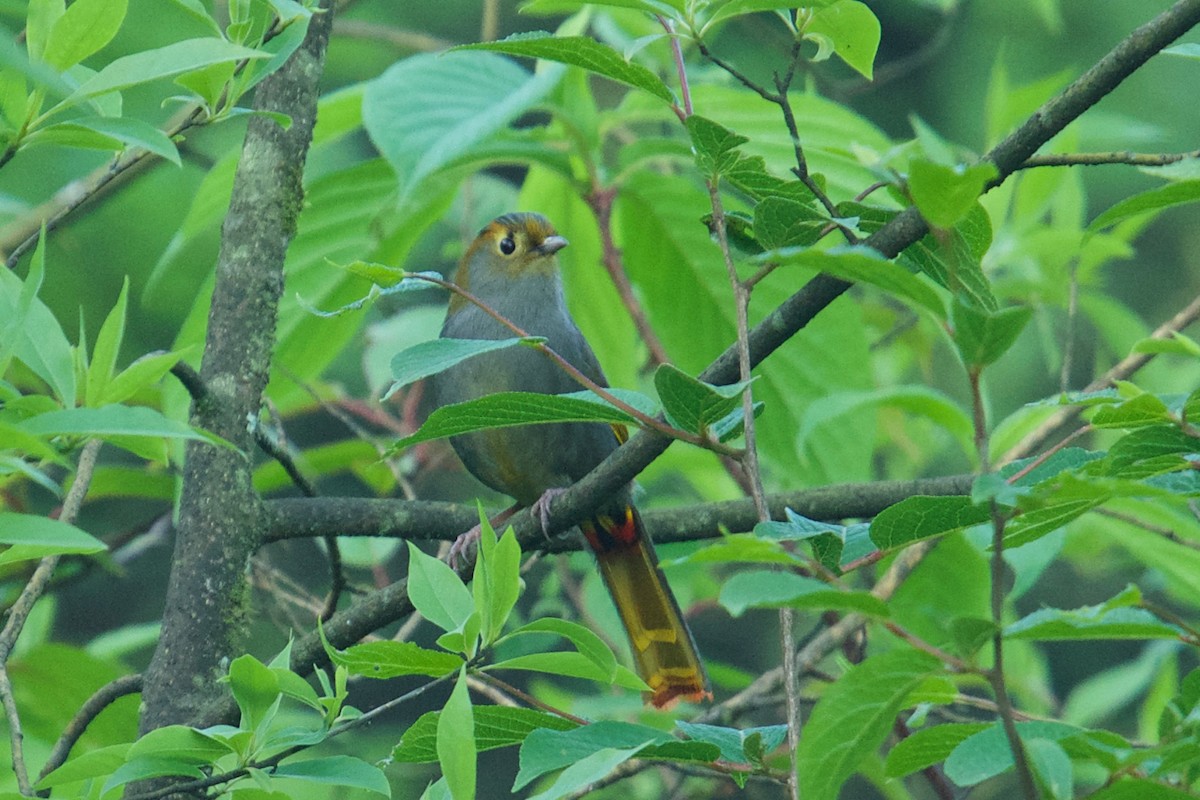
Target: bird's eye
{"x":507,"y":245}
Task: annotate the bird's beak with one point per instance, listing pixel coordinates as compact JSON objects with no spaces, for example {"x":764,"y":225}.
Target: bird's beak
{"x":551,"y":245}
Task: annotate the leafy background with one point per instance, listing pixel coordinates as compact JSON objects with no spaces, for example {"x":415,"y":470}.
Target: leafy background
{"x":942,"y":67}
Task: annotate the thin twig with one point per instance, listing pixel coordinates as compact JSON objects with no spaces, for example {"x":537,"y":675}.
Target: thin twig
{"x":1119,"y":371}
{"x":20,"y":610}
{"x":601,"y":202}
{"x":101,"y":699}
{"x":1097,"y":159}
{"x":995,"y":675}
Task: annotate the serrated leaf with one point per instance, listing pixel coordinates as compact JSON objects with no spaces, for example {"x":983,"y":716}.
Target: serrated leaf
{"x":946,"y":194}
{"x":428,"y":110}
{"x":775,"y":589}
{"x":853,"y":717}
{"x":692,"y":404}
{"x":862,"y":264}
{"x":578,"y":51}
{"x":545,"y":750}
{"x":733,"y":741}
{"x":715,"y":145}
{"x":920,"y":517}
{"x":429,"y":358}
{"x":508,"y":409}
{"x":1136,"y":412}
{"x":495,"y":726}
{"x":986,"y":754}
{"x":854,"y":30}
{"x":784,"y":222}
{"x":390,"y":659}
{"x":1172,"y":194}
{"x":336,"y":771}
{"x":927,"y":747}
{"x":1104,"y":621}
{"x":983,"y":336}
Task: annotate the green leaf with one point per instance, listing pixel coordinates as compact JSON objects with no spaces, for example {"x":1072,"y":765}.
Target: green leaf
{"x":103,"y":363}
{"x":927,"y":747}
{"x":546,"y":750}
{"x":143,"y":372}
{"x":1140,"y":789}
{"x":255,"y":688}
{"x":784,"y":222}
{"x":737,"y":8}
{"x":572,"y":665}
{"x":507,"y":409}
{"x":946,"y":194}
{"x":162,"y":62}
{"x":429,"y":358}
{"x":155,"y":766}
{"x":180,"y":743}
{"x":113,"y":421}
{"x":437,"y":592}
{"x":854,"y":30}
{"x":495,"y":726}
{"x":578,"y":51}
{"x":19,"y":304}
{"x":92,"y":764}
{"x":39,"y":22}
{"x":775,"y":589}
{"x":986,"y":754}
{"x":916,"y":400}
{"x":919,"y":517}
{"x":30,"y":536}
{"x":107,"y":133}
{"x":854,"y":716}
{"x":41,"y":344}
{"x":1136,"y":412}
{"x":456,"y":741}
{"x":951,"y":258}
{"x":496,"y":583}
{"x":1115,"y":619}
{"x":862,"y":264}
{"x":983,"y":336}
{"x":588,"y":644}
{"x":715,"y":145}
{"x":692,"y":404}
{"x":87,"y":26}
{"x":733,"y":741}
{"x":337,"y":771}
{"x":429,"y":110}
{"x":1172,"y":194}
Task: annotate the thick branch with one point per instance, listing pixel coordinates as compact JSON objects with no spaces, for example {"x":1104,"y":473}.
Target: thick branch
{"x":298,"y":518}
{"x":221,"y":520}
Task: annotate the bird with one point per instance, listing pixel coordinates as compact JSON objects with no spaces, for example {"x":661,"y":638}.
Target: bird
{"x":512,"y":267}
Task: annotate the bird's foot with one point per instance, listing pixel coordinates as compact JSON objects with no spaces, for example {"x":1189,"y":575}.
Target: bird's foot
{"x":541,"y":511}
{"x":466,"y":543}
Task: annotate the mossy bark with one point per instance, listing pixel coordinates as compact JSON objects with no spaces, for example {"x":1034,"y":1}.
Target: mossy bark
{"x":221,"y":519}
